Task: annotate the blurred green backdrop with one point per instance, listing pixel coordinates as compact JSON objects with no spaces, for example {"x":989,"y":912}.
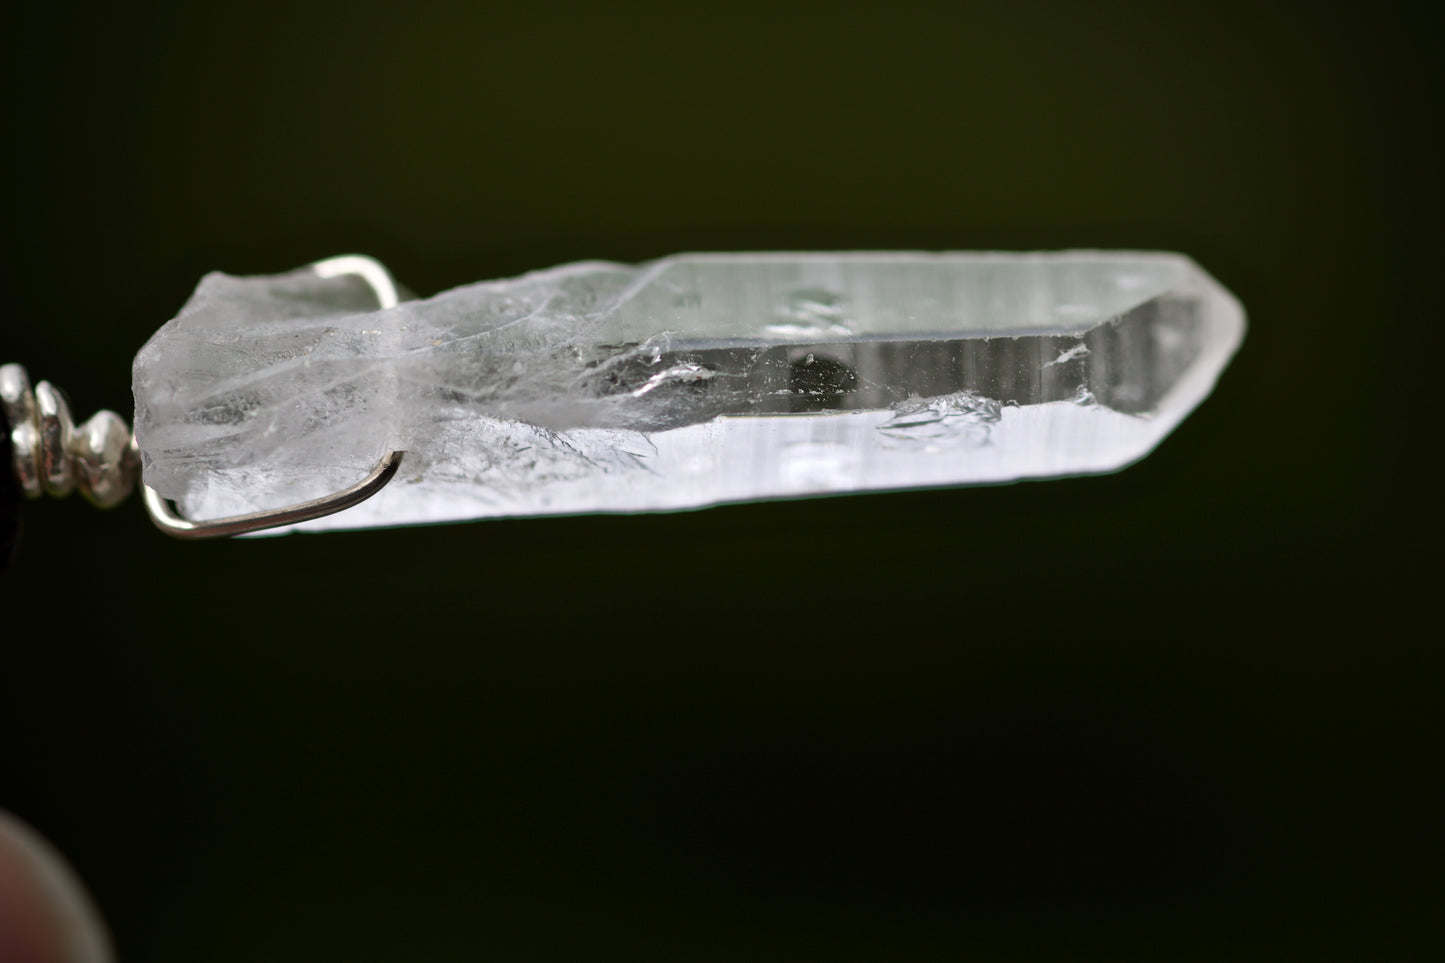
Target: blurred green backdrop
{"x":1175,"y":713}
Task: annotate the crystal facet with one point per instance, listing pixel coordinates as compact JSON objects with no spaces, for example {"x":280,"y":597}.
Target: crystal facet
{"x":689,"y":381}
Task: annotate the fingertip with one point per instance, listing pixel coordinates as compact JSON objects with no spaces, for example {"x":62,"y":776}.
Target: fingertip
{"x":46,"y":916}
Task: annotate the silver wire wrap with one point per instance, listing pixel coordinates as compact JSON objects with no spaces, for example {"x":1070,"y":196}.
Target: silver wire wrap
{"x":174,"y":524}
{"x":54,"y":456}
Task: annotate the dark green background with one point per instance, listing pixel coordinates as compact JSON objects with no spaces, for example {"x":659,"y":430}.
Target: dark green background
{"x":1176,"y":713}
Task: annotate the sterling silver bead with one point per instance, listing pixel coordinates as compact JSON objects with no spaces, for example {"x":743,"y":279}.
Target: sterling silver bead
{"x":56,"y":429}
{"x":51,"y":456}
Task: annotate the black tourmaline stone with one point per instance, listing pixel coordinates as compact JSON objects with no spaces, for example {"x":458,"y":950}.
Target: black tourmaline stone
{"x":9,"y":498}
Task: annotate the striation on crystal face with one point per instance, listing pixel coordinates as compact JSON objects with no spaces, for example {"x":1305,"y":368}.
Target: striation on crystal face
{"x":689,"y":381}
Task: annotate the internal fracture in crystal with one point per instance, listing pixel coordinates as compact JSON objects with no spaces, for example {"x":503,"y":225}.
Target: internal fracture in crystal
{"x":688,"y":381}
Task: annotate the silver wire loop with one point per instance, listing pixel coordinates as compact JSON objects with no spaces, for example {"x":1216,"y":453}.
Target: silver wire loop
{"x":168,"y":521}
{"x":173,"y":523}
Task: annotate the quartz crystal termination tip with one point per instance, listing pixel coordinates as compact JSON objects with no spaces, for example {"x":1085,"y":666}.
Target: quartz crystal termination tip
{"x":684,"y":382}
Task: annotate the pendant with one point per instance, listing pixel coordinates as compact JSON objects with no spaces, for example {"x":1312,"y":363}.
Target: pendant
{"x":323,"y":399}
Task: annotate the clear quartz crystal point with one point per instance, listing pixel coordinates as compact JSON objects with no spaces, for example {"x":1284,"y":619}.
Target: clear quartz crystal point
{"x":689,"y":381}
